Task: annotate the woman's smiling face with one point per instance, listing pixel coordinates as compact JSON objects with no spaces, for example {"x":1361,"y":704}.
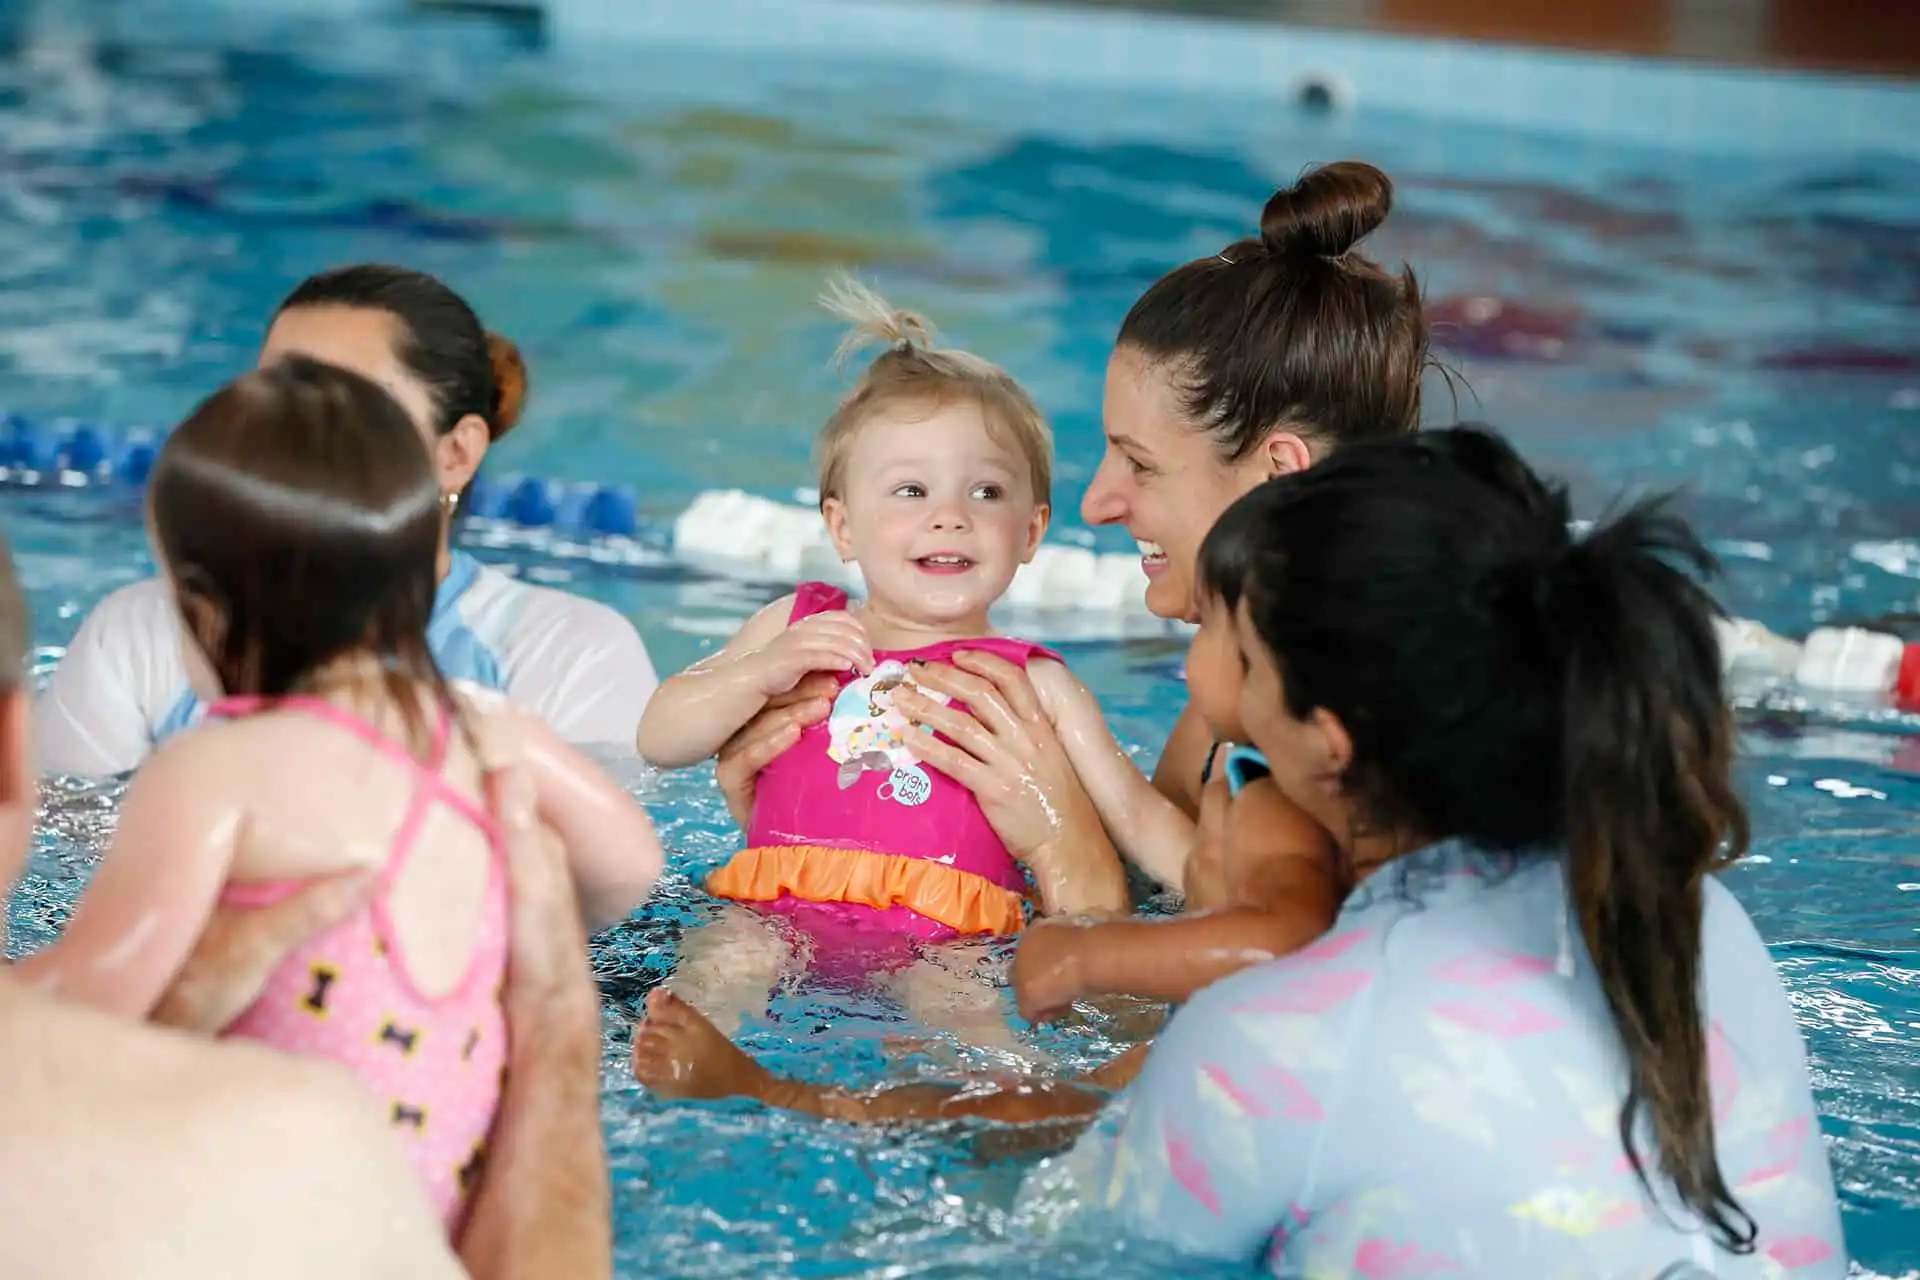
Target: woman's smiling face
{"x":1162,"y":477}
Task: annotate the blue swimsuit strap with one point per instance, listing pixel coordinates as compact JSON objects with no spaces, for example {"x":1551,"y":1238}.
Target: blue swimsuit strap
{"x":1244,"y":765}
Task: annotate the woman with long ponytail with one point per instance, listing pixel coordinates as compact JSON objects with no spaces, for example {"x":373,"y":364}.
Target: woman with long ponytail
{"x":1541,"y":1039}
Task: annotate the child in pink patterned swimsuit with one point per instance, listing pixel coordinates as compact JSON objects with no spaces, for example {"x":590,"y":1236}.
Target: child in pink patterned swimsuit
{"x":296,"y":515}
{"x":934,"y":478}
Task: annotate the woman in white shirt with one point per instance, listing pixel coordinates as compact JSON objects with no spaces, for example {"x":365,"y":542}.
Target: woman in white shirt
{"x":122,"y":686}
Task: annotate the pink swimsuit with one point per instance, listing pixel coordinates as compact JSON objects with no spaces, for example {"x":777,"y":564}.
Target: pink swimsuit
{"x":435,"y":1062}
{"x":848,"y":828}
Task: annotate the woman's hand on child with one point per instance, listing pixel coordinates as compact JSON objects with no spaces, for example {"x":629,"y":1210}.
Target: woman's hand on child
{"x":542,"y":1206}
{"x":548,"y":974}
{"x":1047,"y":974}
{"x":768,"y":736}
{"x":242,"y":946}
{"x":833,"y":641}
{"x":1003,"y":749}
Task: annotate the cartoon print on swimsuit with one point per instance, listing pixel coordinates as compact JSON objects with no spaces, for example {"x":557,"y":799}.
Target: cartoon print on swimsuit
{"x":865,"y":732}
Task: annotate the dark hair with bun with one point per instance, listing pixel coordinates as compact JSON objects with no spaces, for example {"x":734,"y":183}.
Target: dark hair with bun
{"x":1507,"y":683}
{"x":467,"y":368}
{"x":1293,"y":328}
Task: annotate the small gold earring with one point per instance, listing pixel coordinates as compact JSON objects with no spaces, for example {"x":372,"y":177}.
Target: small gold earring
{"x":450,"y":500}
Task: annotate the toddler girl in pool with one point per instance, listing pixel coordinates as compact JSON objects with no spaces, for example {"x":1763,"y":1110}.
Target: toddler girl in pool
{"x":935,"y":473}
{"x":296,"y":516}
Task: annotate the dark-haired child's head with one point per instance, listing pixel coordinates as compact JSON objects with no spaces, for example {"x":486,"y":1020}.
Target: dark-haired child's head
{"x":296,"y":514}
{"x":1393,"y":605}
{"x":1432,"y":654}
{"x":1254,"y":362}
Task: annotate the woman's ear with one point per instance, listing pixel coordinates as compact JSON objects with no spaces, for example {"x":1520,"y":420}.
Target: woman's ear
{"x":1284,"y":452}
{"x":458,"y":453}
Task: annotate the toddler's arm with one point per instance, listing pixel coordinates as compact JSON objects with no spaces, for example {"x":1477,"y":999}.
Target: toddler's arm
{"x":612,"y":849}
{"x":691,"y":715}
{"x":1283,"y":894}
{"x":154,"y":891}
{"x":1149,"y":829}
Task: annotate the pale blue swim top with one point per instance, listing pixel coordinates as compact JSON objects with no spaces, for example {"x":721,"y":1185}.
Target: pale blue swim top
{"x":122,"y":687}
{"x":1433,"y":1089}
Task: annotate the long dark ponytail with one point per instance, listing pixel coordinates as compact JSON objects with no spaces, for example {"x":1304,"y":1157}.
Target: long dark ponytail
{"x":1509,"y":684}
{"x":1650,"y":813}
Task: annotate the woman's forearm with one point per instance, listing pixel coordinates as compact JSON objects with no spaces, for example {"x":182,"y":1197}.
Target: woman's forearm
{"x":1079,"y":874}
{"x":544,"y":1206}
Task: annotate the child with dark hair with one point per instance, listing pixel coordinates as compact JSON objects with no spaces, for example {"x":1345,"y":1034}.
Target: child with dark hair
{"x":1541,"y":1038}
{"x":295,"y":516}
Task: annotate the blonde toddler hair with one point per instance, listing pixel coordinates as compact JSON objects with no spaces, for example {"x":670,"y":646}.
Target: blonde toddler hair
{"x":912,"y":369}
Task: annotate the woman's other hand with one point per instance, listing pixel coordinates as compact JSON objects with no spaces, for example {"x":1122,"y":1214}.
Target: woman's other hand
{"x":242,"y":946}
{"x":1002,"y":748}
{"x":769,"y":735}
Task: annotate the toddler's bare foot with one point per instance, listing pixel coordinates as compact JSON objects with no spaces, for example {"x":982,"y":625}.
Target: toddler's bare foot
{"x":679,"y":1054}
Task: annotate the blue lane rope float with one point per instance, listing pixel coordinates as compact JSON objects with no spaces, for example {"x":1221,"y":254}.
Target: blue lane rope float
{"x":67,"y":454}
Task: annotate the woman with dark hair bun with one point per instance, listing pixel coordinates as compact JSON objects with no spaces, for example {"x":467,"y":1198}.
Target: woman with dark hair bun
{"x":122,"y":687}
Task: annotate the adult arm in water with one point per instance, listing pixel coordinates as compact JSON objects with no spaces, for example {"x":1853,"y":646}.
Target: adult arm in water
{"x":1281,"y":893}
{"x":544,"y":1207}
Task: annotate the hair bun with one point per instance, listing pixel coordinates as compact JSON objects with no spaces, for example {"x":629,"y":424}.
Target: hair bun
{"x":1331,"y":209}
{"x":873,"y":320}
{"x":509,"y":384}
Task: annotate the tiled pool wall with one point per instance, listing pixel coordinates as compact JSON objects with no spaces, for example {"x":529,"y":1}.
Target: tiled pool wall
{"x":1685,"y":107}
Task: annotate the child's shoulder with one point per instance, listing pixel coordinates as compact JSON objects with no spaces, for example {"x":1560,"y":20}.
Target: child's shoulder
{"x":772,"y":618}
{"x":229,"y":751}
{"x":1274,"y":847}
{"x":1261,"y":806}
{"x":1053,"y":680}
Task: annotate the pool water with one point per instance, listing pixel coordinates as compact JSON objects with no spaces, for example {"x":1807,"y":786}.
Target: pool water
{"x":1750,"y":330}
